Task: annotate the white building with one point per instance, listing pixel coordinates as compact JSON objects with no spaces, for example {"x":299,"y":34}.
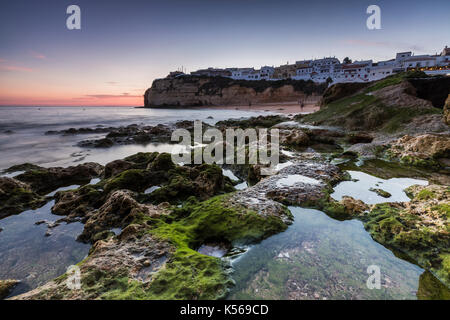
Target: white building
{"x":320,"y":70}
{"x":241,"y":73}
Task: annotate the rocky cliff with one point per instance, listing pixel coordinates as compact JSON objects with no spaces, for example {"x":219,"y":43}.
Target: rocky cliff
{"x":216,"y":91}
{"x":408,"y":103}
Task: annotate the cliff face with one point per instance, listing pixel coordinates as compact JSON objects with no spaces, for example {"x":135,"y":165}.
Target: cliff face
{"x":216,"y":91}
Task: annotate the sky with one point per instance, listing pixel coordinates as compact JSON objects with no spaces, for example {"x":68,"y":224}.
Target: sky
{"x":124,"y":45}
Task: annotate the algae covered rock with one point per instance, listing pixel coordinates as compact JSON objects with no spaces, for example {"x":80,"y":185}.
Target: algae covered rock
{"x":432,"y":289}
{"x":6,"y":286}
{"x":294,"y":137}
{"x":44,"y":180}
{"x":119,"y":210}
{"x":16,"y":196}
{"x":115,"y":167}
{"x":419,"y":228}
{"x":422,"y":150}
{"x":253,"y":122}
{"x":155,"y":256}
{"x":353,"y":206}
{"x":381,"y":192}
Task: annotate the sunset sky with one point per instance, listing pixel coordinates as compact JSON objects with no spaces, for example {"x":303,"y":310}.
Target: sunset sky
{"x":124,"y":45}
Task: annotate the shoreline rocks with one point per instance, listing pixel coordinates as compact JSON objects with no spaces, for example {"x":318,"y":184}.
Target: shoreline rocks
{"x":6,"y":287}
{"x":16,"y":197}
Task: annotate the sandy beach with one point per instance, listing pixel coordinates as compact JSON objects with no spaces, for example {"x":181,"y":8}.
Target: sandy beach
{"x":292,"y":107}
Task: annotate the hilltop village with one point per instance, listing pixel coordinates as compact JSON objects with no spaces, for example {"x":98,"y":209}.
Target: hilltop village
{"x":331,"y":70}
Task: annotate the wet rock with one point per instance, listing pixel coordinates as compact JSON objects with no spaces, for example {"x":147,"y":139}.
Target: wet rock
{"x":381,"y":192}
{"x":44,"y":180}
{"x":359,"y":137}
{"x":253,"y":122}
{"x":74,"y":131}
{"x":22,"y":167}
{"x":109,"y":262}
{"x":163,"y":162}
{"x":6,"y":287}
{"x":302,"y":183}
{"x":418,"y":228}
{"x":353,"y":206}
{"x":294,"y":137}
{"x":115,"y":167}
{"x":78,"y":203}
{"x":16,"y":197}
{"x":422,"y":150}
{"x":119,"y":210}
{"x":432,"y":289}
{"x":100,"y":143}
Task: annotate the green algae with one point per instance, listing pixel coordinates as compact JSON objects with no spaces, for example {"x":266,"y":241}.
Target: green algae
{"x":187,"y":274}
{"x":17,"y":200}
{"x":432,"y":289}
{"x":363,"y":111}
{"x":395,"y":228}
{"x":381,"y":192}
{"x":132,"y":179}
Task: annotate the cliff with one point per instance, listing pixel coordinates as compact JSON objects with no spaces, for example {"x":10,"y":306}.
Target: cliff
{"x":407,"y":102}
{"x":216,"y":91}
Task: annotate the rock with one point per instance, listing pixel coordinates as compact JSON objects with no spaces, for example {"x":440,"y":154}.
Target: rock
{"x":110,"y":261}
{"x":253,"y":122}
{"x":353,"y":206}
{"x":447,"y":111}
{"x":389,"y":105}
{"x":16,"y":197}
{"x":6,"y":287}
{"x":163,"y":162}
{"x":74,"y":131}
{"x":100,"y":143}
{"x":381,"y":192}
{"x":115,"y":167}
{"x":44,"y":180}
{"x":118,"y":211}
{"x":306,"y":183}
{"x":294,"y":138}
{"x":78,"y":203}
{"x":204,"y":91}
{"x":422,"y":150}
{"x":359,"y":137}
{"x":418,"y":228}
{"x":339,"y":91}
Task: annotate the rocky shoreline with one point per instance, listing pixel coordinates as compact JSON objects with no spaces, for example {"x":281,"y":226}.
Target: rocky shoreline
{"x":165,"y":211}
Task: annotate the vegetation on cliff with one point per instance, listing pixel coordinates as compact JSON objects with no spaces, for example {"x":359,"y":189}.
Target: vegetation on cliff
{"x":386,"y":105}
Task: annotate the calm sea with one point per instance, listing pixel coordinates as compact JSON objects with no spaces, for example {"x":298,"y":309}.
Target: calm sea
{"x":23,"y":139}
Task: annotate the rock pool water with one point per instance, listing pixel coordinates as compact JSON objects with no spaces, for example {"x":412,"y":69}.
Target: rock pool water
{"x":28,"y":255}
{"x":318,"y":257}
{"x":359,"y":188}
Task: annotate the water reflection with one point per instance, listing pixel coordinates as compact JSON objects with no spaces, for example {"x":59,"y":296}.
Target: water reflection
{"x":28,"y":255}
{"x":318,"y":257}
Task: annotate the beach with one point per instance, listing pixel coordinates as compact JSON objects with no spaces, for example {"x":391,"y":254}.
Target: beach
{"x":292,"y":107}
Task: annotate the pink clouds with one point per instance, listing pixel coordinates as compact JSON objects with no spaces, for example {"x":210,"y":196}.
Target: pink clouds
{"x":12,"y":67}
{"x":38,"y":55}
{"x":109,"y":96}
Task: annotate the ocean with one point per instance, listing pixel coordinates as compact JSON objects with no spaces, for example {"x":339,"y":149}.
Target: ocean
{"x":23,"y":138}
